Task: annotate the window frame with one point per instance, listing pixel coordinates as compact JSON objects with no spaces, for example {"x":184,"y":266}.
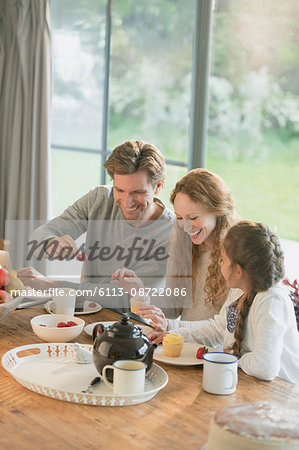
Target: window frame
{"x":198,"y":92}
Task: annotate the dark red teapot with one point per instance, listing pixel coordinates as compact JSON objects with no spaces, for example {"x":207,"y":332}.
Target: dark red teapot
{"x":122,"y":340}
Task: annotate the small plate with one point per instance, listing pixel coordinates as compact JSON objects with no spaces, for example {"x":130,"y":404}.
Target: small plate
{"x":32,"y":299}
{"x":187,"y":358}
{"x":87,"y":307}
{"x":88,"y":329}
{"x":28,"y":304}
{"x":31,"y":294}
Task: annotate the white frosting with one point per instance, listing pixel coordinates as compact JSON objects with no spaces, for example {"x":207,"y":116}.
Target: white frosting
{"x":260,"y":420}
{"x":173,"y":339}
{"x":254,"y":426}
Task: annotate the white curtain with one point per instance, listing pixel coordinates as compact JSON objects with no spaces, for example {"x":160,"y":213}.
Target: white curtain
{"x":25,"y":91}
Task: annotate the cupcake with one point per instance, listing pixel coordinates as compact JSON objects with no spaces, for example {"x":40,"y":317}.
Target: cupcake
{"x":173,"y":344}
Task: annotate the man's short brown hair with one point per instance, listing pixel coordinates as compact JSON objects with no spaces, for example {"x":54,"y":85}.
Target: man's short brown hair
{"x":133,"y":156}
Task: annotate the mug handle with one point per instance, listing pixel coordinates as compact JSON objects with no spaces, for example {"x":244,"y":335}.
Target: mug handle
{"x":234,"y":382}
{"x":48,"y":304}
{"x":104,"y":375}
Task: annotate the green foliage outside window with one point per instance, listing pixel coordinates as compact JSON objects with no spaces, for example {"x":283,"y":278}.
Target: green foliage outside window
{"x":253,"y":127}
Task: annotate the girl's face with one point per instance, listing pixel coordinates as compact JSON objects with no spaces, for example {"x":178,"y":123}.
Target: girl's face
{"x":194,"y":219}
{"x":227,"y":270}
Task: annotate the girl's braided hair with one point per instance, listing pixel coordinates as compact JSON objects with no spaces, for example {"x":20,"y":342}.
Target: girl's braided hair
{"x":257,"y":250}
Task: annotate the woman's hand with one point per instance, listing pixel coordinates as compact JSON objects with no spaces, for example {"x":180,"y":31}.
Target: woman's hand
{"x":156,"y":315}
{"x":128,"y":280}
{"x":156,"y":337}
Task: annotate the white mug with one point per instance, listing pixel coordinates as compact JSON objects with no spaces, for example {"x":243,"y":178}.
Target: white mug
{"x":63,"y":301}
{"x":128,"y":376}
{"x":220,"y":373}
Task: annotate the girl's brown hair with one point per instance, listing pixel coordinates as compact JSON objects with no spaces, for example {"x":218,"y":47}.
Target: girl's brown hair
{"x":257,"y":250}
{"x":210,"y":191}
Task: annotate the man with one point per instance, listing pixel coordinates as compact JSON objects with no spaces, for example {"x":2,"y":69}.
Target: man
{"x":125,"y":225}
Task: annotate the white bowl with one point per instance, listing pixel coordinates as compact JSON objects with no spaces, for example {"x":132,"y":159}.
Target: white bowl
{"x":50,"y":333}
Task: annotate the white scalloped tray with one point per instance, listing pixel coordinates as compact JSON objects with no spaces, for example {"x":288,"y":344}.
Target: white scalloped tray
{"x":52,"y":372}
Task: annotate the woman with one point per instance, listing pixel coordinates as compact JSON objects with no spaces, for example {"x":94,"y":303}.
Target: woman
{"x":204,"y":211}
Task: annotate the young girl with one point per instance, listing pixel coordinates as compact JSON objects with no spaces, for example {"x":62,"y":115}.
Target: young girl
{"x":257,"y":321}
{"x":204,"y":211}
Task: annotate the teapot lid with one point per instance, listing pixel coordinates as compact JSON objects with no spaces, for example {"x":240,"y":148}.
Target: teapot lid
{"x":124,"y":328}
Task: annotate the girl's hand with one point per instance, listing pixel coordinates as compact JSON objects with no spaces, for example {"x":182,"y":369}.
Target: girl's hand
{"x":156,"y":315}
{"x":156,"y":337}
{"x":127,"y":279}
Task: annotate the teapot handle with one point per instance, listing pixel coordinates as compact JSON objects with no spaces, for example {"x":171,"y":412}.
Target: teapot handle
{"x":95,"y":330}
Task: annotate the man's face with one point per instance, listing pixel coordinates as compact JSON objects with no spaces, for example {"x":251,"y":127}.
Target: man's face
{"x":134,"y":194}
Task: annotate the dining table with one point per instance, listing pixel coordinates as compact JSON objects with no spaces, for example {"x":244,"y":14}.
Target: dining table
{"x":177,"y":417}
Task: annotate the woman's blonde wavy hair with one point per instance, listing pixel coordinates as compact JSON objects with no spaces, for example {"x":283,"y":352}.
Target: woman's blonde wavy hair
{"x":257,"y":250}
{"x":210,"y":191}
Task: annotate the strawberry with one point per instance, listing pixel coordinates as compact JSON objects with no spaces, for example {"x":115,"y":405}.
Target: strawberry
{"x":82,"y":257}
{"x":61,"y":325}
{"x":42,"y":325}
{"x":71,"y":324}
{"x":201,"y":351}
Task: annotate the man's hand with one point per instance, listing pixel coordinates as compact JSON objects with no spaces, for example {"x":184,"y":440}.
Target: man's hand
{"x":61,"y":248}
{"x":34,"y":279}
{"x":127,"y":279}
{"x":156,"y":315}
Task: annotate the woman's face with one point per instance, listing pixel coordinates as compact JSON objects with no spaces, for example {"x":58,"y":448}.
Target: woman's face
{"x":194,"y":219}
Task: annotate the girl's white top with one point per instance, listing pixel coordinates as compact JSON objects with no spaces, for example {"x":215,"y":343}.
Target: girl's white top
{"x":270,"y":347}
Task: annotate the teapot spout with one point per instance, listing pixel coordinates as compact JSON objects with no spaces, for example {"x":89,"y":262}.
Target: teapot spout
{"x":148,"y":356}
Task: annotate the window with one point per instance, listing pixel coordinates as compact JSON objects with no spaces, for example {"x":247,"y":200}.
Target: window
{"x":78,"y":41}
{"x":144,"y":49}
{"x":122,"y":70}
{"x":254,"y":102}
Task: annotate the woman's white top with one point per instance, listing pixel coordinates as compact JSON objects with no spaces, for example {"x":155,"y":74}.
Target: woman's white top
{"x":270,"y":347}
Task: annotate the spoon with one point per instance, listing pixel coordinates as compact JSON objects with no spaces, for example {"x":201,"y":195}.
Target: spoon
{"x":88,"y":390}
